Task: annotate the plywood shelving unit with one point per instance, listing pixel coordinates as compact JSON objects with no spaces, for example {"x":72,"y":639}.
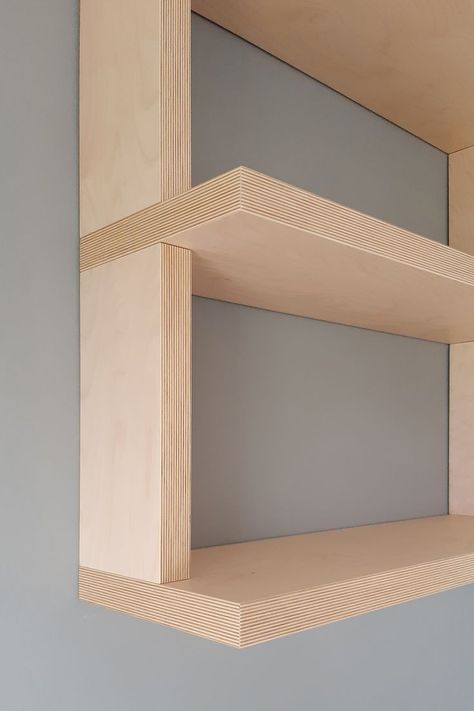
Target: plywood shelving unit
{"x":249,"y":239}
{"x":257,"y":241}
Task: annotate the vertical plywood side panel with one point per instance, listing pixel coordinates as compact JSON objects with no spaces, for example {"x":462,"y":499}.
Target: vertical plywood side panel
{"x":135,"y":405}
{"x":461,"y":360}
{"x":461,"y":429}
{"x":134,"y":106}
{"x":461,"y":200}
{"x":175,"y":311}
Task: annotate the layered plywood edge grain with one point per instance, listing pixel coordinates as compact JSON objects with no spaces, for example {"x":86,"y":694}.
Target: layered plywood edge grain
{"x":461,"y":429}
{"x":135,"y":415}
{"x":175,"y":419}
{"x":260,"y":242}
{"x":461,"y":361}
{"x":135,"y":127}
{"x":247,"y":593}
{"x":461,"y":200}
{"x":410,"y":62}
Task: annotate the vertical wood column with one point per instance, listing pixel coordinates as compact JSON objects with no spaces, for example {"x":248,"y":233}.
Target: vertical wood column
{"x":461,"y":200}
{"x":135,"y":312}
{"x":135,"y":415}
{"x":461,"y":366}
{"x":135,"y":132}
{"x":461,"y":429}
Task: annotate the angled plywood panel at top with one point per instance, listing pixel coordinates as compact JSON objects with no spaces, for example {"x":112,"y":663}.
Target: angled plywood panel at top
{"x":410,"y":62}
{"x":247,"y":593}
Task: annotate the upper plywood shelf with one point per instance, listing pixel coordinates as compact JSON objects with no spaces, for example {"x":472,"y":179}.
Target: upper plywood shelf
{"x":409,"y":62}
{"x":251,"y":592}
{"x":260,"y":242}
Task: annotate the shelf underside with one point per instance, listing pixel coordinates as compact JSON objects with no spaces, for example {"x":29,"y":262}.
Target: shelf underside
{"x":408,"y":64}
{"x":259,"y":242}
{"x":247,"y":593}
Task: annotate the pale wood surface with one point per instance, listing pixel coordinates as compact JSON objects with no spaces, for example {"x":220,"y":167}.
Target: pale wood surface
{"x":261,"y":242}
{"x":461,"y":369}
{"x":135,"y":415}
{"x":410,"y":62}
{"x":175,"y":391}
{"x":134,"y":106}
{"x":246,"y":593}
{"x":461,"y":429}
{"x":461,"y":200}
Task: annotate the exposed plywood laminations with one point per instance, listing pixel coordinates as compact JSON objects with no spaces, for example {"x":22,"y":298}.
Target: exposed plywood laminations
{"x":261,"y":242}
{"x":135,"y":415}
{"x":410,"y":62}
{"x":461,"y":200}
{"x":175,"y":419}
{"x":247,"y":593}
{"x":461,"y":363}
{"x":461,"y":429}
{"x":135,"y":141}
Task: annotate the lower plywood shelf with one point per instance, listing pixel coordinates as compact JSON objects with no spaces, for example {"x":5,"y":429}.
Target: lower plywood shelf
{"x":247,"y":593}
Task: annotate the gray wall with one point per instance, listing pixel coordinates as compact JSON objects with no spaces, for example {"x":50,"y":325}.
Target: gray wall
{"x":57,"y":654}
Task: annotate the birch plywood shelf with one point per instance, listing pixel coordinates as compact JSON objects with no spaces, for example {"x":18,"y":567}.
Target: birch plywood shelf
{"x":247,"y":593}
{"x":260,"y":242}
{"x":246,"y":238}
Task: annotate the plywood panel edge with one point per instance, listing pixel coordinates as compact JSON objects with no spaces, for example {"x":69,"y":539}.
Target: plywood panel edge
{"x":214,"y":619}
{"x":461,"y":429}
{"x":175,"y":97}
{"x":135,"y":415}
{"x":135,"y":128}
{"x":306,"y":609}
{"x":209,"y":201}
{"x":271,"y":199}
{"x":236,"y":594}
{"x":175,"y":310}
{"x":461,"y":200}
{"x":461,"y":356}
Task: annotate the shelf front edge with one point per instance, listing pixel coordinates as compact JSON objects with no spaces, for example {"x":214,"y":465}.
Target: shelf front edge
{"x":260,"y":242}
{"x":244,"y":594}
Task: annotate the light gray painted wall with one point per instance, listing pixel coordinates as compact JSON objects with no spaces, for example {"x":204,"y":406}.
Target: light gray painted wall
{"x":301,"y":425}
{"x":57,"y":654}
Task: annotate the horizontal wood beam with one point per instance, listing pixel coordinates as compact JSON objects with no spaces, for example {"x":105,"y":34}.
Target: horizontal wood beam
{"x":461,"y":429}
{"x":247,"y":593}
{"x":261,"y":242}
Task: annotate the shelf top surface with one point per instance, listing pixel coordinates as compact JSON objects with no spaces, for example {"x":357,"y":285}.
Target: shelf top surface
{"x":259,"y":570}
{"x":260,"y":242}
